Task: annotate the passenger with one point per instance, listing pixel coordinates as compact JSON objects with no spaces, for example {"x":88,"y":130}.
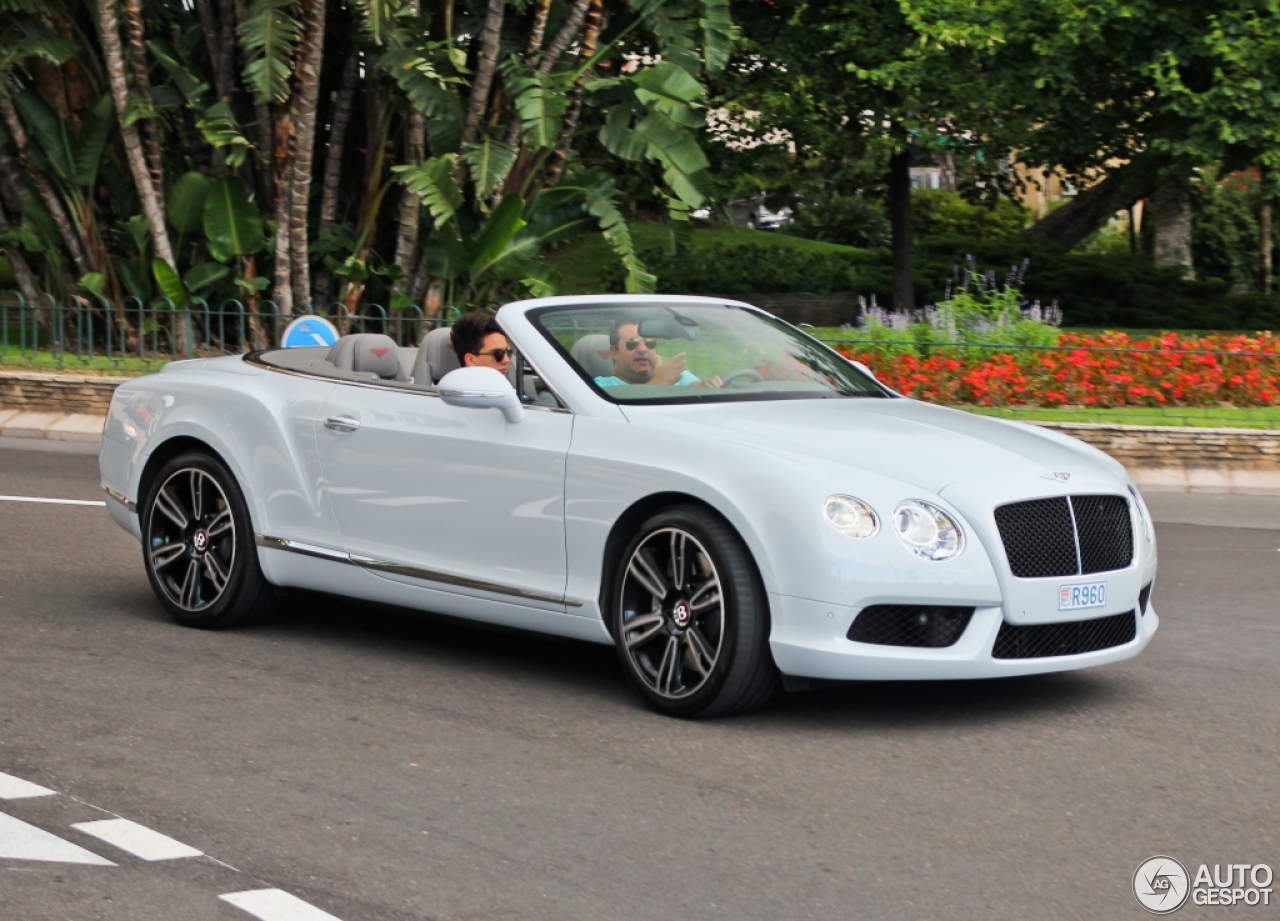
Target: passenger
{"x":635,"y":361}
{"x":479,"y":341}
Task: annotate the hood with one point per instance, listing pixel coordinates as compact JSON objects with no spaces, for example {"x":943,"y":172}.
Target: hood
{"x":928,"y":446}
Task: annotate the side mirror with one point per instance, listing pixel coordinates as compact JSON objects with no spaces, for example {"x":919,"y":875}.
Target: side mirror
{"x":481,"y":388}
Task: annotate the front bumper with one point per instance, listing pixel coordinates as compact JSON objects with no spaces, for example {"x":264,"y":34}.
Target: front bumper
{"x":808,"y":641}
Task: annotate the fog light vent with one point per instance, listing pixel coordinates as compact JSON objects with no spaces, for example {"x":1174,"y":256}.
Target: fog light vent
{"x":929,"y":625}
{"x":1144,"y":596}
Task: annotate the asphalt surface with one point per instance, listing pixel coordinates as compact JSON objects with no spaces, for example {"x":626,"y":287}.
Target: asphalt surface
{"x":381,"y":765}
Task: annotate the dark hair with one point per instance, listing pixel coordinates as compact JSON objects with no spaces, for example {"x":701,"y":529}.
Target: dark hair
{"x":615,"y":328}
{"x":468,"y":333}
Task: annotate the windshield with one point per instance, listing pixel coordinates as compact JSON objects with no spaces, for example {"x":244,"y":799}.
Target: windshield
{"x":686,"y":353}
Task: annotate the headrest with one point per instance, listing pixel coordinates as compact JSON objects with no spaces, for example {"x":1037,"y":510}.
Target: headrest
{"x":592,"y":354}
{"x":371,"y":353}
{"x":437,"y":352}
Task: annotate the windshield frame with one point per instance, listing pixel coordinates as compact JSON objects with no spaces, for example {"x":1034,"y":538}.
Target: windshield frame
{"x":701,"y":396}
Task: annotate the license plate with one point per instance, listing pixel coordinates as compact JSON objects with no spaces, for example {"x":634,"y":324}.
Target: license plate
{"x":1088,"y":595}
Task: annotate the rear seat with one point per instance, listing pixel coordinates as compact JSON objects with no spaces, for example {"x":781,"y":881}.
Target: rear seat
{"x":369,"y":353}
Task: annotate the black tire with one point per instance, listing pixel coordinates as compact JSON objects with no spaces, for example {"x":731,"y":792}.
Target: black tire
{"x":686,"y":658}
{"x":198,"y":546}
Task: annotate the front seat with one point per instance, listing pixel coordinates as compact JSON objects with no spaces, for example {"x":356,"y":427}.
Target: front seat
{"x":368,"y":353}
{"x":592,"y":355}
{"x":435,"y":356}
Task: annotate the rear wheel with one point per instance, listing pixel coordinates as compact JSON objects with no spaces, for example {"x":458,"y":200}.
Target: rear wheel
{"x":198,"y":546}
{"x":691,"y":618}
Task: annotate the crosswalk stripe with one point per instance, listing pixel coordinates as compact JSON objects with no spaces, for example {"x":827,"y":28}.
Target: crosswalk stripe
{"x":20,"y":841}
{"x":138,"y":840}
{"x":276,"y":905}
{"x":16,"y":788}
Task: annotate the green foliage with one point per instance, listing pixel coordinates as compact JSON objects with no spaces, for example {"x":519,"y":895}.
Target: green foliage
{"x":488,"y":162}
{"x":169,"y":283}
{"x":184,"y":204}
{"x":231,"y":222}
{"x":270,"y":35}
{"x":834,"y":217}
{"x":1224,"y":232}
{"x":935,"y":212}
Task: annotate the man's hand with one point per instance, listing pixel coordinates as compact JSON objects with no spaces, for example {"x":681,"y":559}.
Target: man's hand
{"x":669,"y":371}
{"x":712,"y":382}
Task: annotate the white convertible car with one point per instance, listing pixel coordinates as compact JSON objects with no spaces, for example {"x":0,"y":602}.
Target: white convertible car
{"x":729,"y":502}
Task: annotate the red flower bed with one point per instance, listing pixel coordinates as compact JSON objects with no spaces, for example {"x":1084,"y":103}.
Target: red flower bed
{"x":1091,"y":370}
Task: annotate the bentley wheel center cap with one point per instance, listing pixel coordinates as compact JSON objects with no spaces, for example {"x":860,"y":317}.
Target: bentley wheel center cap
{"x":681,"y":613}
{"x":200,"y":540}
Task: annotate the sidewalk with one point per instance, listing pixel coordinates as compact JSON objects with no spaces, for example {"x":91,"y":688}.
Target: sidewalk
{"x":15,"y":423}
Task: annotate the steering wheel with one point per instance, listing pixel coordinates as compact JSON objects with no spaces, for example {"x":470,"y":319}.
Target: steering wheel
{"x":751,"y":375}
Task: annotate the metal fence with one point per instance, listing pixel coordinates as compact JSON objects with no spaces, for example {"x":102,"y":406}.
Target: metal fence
{"x":92,"y":333}
{"x":1065,"y":382}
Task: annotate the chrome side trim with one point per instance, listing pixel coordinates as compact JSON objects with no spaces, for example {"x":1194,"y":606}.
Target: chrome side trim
{"x":414,"y":572}
{"x":121,"y":498}
{"x":296,"y":546}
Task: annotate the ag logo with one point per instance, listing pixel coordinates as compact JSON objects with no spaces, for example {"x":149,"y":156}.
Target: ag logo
{"x":1161,"y":885}
{"x":1060,"y":477}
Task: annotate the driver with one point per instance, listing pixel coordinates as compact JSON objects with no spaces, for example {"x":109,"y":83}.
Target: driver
{"x":635,"y":361}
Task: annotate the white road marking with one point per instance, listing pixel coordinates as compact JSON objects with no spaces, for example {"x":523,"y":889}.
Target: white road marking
{"x":138,"y":840}
{"x":276,"y":905}
{"x":16,"y":788}
{"x":52,"y":501}
{"x":20,"y":841}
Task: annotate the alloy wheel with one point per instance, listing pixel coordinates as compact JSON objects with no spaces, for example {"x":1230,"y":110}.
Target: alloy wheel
{"x":673,"y":613}
{"x":192,"y":539}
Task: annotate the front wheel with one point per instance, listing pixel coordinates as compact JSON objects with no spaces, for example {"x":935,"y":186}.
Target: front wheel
{"x":198,"y":546}
{"x":691,"y":618}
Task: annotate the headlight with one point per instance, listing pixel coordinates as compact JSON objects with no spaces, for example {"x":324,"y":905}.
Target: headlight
{"x":851,"y":517}
{"x":927,"y":530}
{"x":1144,"y":516}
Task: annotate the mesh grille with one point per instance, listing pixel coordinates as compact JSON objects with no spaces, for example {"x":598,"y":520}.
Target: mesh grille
{"x":1040,"y":540}
{"x":1143,"y":597}
{"x":1106,"y":532}
{"x":932,"y":626}
{"x":1036,"y":641}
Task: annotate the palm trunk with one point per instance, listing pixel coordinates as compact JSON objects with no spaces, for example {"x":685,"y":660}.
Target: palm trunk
{"x":21,"y":273}
{"x":538,"y":32}
{"x":149,"y":196}
{"x":590,"y":42}
{"x":213,"y":44}
{"x":142,"y":82}
{"x":333,"y":159}
{"x":410,"y":204}
{"x":227,"y":21}
{"x":490,"y":45}
{"x":306,"y":99}
{"x":564,"y":38}
{"x":50,"y":199}
{"x":526,"y":163}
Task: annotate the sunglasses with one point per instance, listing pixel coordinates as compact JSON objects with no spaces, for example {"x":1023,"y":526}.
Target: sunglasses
{"x":634,"y":343}
{"x":498,"y":354}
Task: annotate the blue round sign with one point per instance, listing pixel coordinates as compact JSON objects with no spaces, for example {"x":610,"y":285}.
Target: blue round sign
{"x":309,"y":331}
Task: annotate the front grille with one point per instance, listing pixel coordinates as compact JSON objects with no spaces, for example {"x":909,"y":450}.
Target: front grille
{"x":1066,"y":535}
{"x":1036,"y":641}
{"x":928,"y":625}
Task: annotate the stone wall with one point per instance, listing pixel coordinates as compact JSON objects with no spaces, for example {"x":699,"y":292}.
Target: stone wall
{"x":33,"y":391}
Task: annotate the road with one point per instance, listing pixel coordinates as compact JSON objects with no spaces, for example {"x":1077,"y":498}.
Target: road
{"x":382,"y":766}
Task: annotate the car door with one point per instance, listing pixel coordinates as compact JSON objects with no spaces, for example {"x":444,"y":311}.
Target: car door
{"x":448,"y":497}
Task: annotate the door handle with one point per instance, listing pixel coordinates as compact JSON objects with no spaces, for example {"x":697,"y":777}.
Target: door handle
{"x":342,"y":423}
